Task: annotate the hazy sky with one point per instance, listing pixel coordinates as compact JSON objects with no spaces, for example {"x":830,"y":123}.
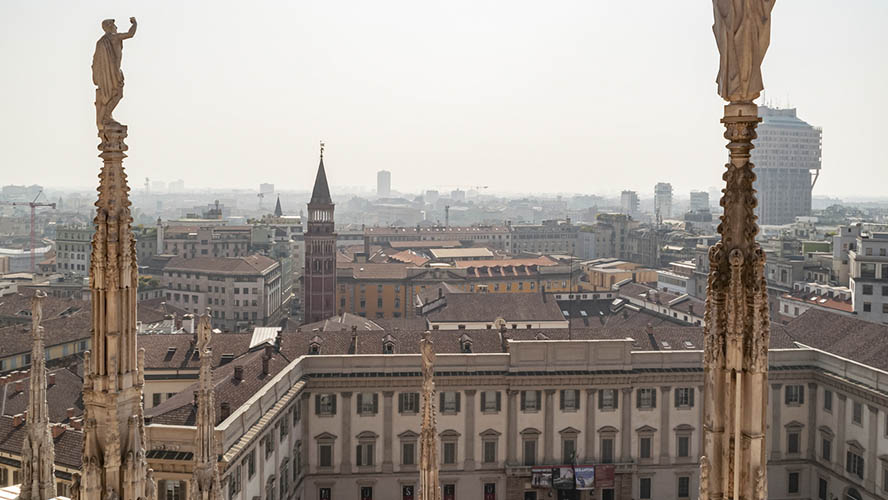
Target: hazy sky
{"x":574,"y":96}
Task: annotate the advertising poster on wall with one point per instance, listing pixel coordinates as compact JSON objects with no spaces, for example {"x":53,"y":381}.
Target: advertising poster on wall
{"x":585,"y":477}
{"x":604,"y":476}
{"x":541,"y":477}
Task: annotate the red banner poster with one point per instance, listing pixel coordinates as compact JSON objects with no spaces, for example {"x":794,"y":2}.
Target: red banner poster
{"x":604,"y":476}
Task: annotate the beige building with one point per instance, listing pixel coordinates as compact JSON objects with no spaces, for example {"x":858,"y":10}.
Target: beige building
{"x":298,"y":421}
{"x":191,"y":242}
{"x":242,"y":291}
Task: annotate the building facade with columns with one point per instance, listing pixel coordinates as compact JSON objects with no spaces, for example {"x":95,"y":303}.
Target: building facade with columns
{"x":328,"y":416}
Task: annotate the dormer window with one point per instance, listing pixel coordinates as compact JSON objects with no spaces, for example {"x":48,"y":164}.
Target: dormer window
{"x":314,"y":348}
{"x":465,"y":344}
{"x":388,"y":348}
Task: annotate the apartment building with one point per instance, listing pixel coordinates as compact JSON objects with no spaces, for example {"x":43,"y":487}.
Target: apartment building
{"x":494,"y":237}
{"x":869,"y":277}
{"x":550,"y":237}
{"x":73,"y":249}
{"x":205,"y":241}
{"x":242,"y":291}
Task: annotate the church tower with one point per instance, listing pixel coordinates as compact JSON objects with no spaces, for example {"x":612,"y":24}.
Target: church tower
{"x":320,"y":252}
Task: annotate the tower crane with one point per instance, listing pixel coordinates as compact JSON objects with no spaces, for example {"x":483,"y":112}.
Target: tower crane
{"x":33,"y":204}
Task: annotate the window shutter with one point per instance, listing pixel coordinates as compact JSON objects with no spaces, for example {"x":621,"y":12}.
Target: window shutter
{"x":577,"y":398}
{"x":441,"y":408}
{"x":677,"y":402}
{"x":561,"y":397}
{"x":333,"y":398}
{"x":317,"y":404}
{"x":483,"y":400}
{"x":653,"y":398}
{"x":601,"y":399}
{"x":457,"y":401}
{"x":401,"y":402}
{"x":358,"y":456}
{"x":691,"y":394}
{"x":523,"y":402}
{"x":638,"y":398}
{"x":801,"y":394}
{"x":539,"y":400}
{"x":360,"y":403}
{"x":616,"y":394}
{"x":498,"y":401}
{"x":375,"y":402}
{"x":786,"y":395}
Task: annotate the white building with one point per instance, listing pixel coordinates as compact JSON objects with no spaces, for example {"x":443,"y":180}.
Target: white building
{"x":383,"y":184}
{"x":629,"y":203}
{"x":699,"y":201}
{"x":663,"y":200}
{"x":869,"y":277}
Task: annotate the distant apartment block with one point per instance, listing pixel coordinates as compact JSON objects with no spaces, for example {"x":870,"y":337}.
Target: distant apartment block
{"x":869,"y":277}
{"x":241,"y":291}
{"x":73,"y":249}
{"x":699,"y":201}
{"x":629,"y":203}
{"x":383,"y":184}
{"x":663,"y":199}
{"x":494,"y":237}
{"x":787,"y":160}
{"x":550,"y":237}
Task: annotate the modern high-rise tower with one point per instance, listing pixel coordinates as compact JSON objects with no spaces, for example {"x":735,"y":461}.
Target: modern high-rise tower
{"x":699,"y":201}
{"x":663,"y":200}
{"x":787,"y":163}
{"x":319,"y":278}
{"x":383,"y":184}
{"x":629,"y":203}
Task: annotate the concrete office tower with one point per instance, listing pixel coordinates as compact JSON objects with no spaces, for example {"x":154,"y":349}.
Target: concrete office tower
{"x":787,"y":163}
{"x":383,"y":184}
{"x":629,"y":203}
{"x":699,"y":201}
{"x":663,"y":199}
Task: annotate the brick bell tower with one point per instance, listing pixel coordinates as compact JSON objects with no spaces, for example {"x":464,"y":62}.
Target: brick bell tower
{"x":319,"y":278}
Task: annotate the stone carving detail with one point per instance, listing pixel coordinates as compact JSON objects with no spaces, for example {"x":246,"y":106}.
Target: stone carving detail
{"x":428,"y":449}
{"x":114,"y":462}
{"x":205,"y":476}
{"x":737,"y":326}
{"x":38,"y":452}
{"x":742,"y":31}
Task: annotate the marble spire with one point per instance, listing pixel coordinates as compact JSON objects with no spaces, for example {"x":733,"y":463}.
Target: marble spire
{"x":114,"y":462}
{"x":737,"y":325}
{"x":38,"y":453}
{"x":428,"y":448}
{"x":205,"y":475}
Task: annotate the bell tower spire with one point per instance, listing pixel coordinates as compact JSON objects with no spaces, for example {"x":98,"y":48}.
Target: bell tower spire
{"x":320,"y":251}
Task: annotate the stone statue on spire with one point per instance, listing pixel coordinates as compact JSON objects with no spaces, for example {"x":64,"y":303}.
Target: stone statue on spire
{"x":114,"y":448}
{"x":38,"y":453}
{"x":205,"y":475}
{"x":106,"y":73}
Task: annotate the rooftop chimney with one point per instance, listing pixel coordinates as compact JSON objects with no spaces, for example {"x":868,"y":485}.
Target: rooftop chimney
{"x":224,"y":410}
{"x":238,"y":372}
{"x":70,"y":413}
{"x":194,"y":400}
{"x":265,"y":368}
{"x":77,"y":424}
{"x":50,"y":379}
{"x":17,"y":420}
{"x":58,"y":430}
{"x":19,"y":386}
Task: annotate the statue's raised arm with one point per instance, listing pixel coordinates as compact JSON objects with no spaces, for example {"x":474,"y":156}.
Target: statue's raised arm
{"x":106,"y":73}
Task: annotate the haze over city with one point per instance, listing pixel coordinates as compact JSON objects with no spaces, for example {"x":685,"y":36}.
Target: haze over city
{"x":574,"y":97}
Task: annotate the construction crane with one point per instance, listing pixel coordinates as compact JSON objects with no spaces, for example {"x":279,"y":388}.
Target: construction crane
{"x":33,"y":204}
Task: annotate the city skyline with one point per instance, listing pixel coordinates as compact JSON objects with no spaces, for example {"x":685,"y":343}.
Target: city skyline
{"x":384,"y":104}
